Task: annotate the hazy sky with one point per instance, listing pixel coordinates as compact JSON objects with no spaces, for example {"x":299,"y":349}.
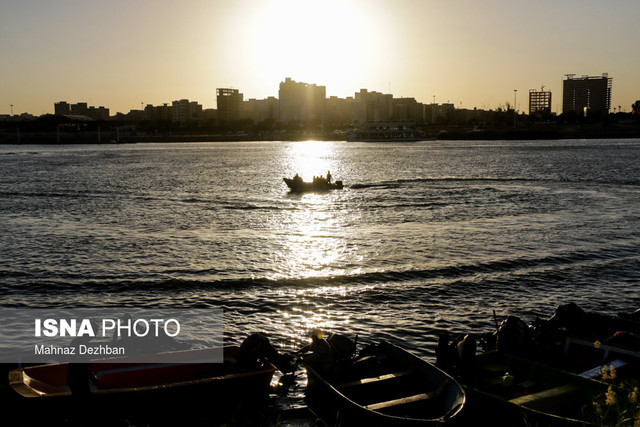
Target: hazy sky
{"x":474,"y":53}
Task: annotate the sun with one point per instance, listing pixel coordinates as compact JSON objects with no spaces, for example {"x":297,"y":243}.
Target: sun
{"x":319,"y":42}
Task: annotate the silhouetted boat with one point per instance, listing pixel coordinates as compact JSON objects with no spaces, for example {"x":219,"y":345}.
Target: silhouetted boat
{"x":574,"y":340}
{"x":393,"y":388}
{"x":132,"y":384}
{"x":512,"y":391}
{"x":300,"y":186}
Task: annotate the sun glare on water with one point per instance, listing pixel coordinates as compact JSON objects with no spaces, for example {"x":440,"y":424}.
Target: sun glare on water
{"x":311,"y":245}
{"x":311,"y":158}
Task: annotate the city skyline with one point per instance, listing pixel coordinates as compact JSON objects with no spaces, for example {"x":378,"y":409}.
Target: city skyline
{"x":471,"y":55}
{"x":537,"y":100}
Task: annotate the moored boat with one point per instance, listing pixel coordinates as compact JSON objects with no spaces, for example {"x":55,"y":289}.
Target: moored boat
{"x":572,"y":339}
{"x":385,"y":132}
{"x":128,"y":384}
{"x":514,"y":391}
{"x":386,"y":386}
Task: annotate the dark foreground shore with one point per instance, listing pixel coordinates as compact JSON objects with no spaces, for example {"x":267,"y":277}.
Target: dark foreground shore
{"x":208,"y":411}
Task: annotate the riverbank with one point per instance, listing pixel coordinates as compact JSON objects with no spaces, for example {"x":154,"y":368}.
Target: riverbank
{"x":539,"y":131}
{"x":544,"y":131}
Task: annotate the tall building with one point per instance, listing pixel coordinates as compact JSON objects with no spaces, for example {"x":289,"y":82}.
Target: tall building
{"x":539,"y":101}
{"x":79,"y":109}
{"x":372,"y":106}
{"x":185,"y":111}
{"x":61,"y":108}
{"x":408,"y":109}
{"x":260,"y":110}
{"x":338,"y":111}
{"x":98,"y":113}
{"x":301,"y":102}
{"x":162,"y":112}
{"x":180,"y":111}
{"x":229,"y":104}
{"x":587,"y":95}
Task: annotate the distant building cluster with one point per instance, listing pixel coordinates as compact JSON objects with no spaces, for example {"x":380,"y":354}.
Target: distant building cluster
{"x":63,"y":108}
{"x":297,"y":103}
{"x":584,"y":96}
{"x":181,"y":111}
{"x":307,"y":104}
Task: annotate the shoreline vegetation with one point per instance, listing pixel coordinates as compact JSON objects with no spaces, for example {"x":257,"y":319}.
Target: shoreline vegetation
{"x":109,"y":132}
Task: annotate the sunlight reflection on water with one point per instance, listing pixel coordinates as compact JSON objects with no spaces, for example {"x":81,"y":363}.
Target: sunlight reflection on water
{"x":310,"y":245}
{"x":311,"y":158}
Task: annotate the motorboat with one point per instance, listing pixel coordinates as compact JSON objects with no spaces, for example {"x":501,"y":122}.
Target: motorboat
{"x":297,"y":185}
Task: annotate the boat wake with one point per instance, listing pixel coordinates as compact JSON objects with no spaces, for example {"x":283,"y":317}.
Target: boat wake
{"x":516,"y":180}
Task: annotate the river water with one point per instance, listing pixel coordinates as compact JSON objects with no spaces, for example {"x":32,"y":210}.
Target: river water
{"x":425,"y":237}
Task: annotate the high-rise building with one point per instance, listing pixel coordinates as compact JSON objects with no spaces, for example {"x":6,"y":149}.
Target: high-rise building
{"x":61,"y":108}
{"x":407,"y":109}
{"x":229,"y":104}
{"x":260,"y":110}
{"x":79,"y":109}
{"x":586,"y":95}
{"x":338,"y":111}
{"x":98,"y":113}
{"x":539,"y":101}
{"x":372,"y":106}
{"x":301,"y":102}
{"x":185,"y":111}
{"x":162,"y":112}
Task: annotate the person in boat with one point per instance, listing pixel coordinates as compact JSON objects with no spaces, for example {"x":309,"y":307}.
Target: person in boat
{"x":297,"y":178}
{"x":319,"y":354}
{"x":329,"y":356}
{"x":445,"y":353}
{"x":329,"y":177}
{"x":256,"y":348}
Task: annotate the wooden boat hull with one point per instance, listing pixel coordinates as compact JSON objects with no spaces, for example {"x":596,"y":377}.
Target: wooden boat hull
{"x":142,"y":387}
{"x":406,"y":390}
{"x":514,"y":391}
